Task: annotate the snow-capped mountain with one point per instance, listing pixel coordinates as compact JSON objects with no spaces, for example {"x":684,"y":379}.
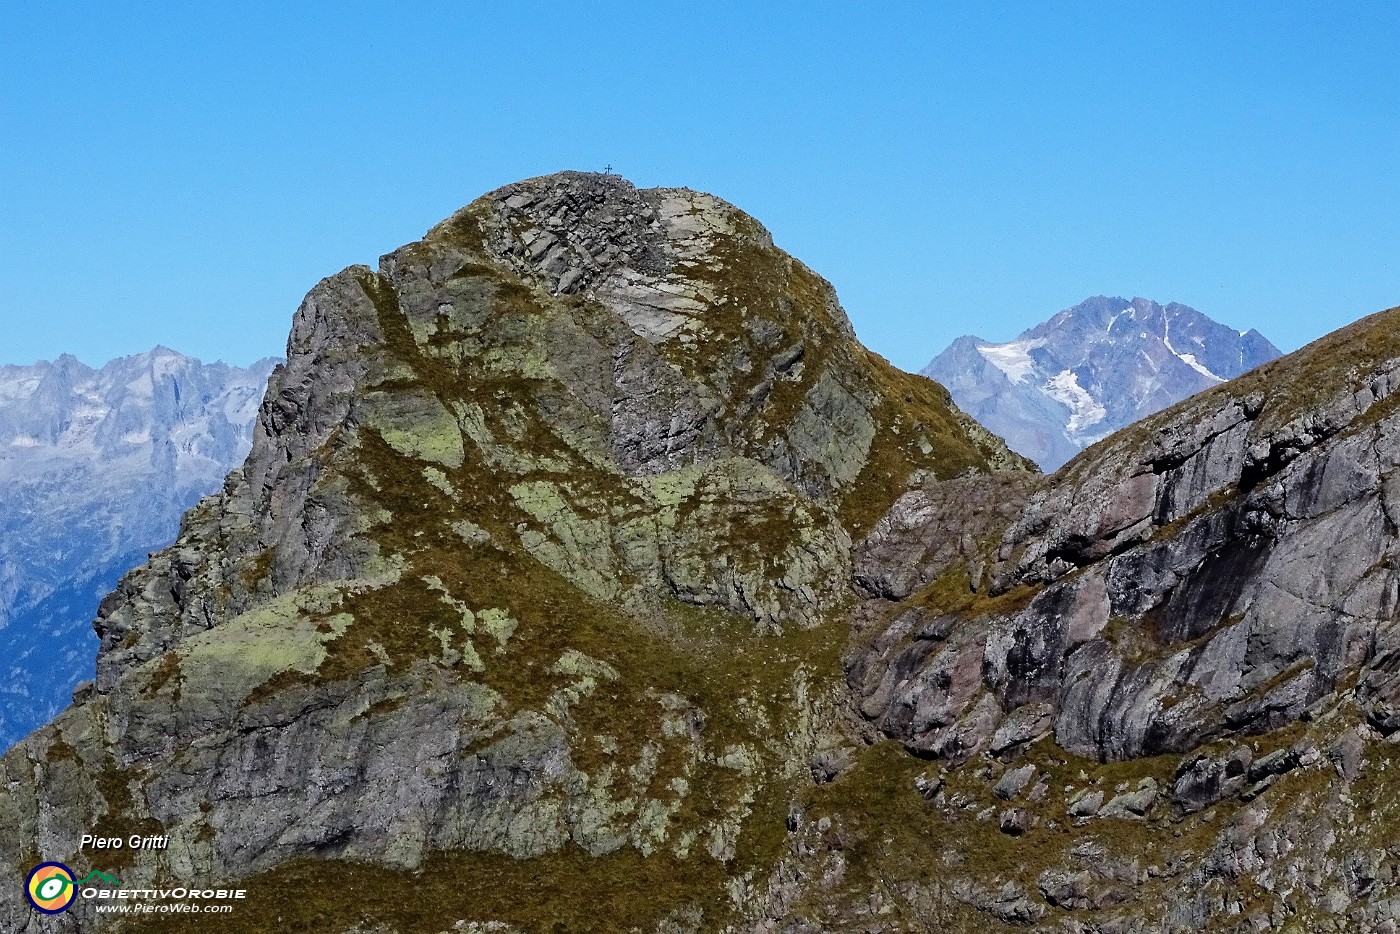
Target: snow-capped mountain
{"x":1091,"y":370}
{"x":96,"y":468}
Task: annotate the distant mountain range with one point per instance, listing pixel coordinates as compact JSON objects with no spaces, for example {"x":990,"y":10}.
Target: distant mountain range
{"x":96,"y":468}
{"x":1090,"y":370}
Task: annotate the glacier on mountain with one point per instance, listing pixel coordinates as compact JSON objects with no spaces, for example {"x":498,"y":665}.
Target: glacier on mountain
{"x":1090,"y":370}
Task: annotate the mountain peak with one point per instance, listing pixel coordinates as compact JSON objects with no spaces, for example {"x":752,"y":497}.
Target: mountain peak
{"x":1093,"y":368}
{"x":577,"y":476}
{"x":66,"y":364}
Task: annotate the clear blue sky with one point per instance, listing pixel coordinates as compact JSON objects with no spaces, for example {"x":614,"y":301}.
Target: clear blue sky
{"x":182,"y":174}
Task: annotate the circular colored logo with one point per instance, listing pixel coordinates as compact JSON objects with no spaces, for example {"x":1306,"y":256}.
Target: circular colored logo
{"x":50,"y":888}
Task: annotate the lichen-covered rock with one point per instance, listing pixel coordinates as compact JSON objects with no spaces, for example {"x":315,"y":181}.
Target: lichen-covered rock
{"x":1219,"y":576}
{"x":1213,"y":571}
{"x":587,"y":575}
{"x":1202,"y":781}
{"x":541,"y":557}
{"x":1014,"y":781}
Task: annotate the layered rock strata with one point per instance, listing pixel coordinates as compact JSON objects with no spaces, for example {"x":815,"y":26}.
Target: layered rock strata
{"x":587,"y":575}
{"x":1209,"y":595}
{"x":541,"y":553}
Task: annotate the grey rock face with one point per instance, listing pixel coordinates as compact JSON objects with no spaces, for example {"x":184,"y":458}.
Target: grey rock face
{"x":936,"y":526}
{"x":1014,"y":782}
{"x":1223,"y":570}
{"x":1213,"y":571}
{"x":1202,"y":781}
{"x":1132,"y":803}
{"x":1091,"y":370}
{"x":1014,"y":821}
{"x":1086,"y":805}
{"x":572,"y":605}
{"x":97,"y":467}
{"x":545,"y":528}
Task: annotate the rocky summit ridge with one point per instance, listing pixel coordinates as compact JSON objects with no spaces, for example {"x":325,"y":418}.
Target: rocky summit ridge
{"x":586,"y":574}
{"x":1091,"y":370}
{"x":540,"y":557}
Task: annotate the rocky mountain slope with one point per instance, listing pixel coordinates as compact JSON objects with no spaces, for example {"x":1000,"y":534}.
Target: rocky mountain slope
{"x":1181,"y":649}
{"x":534,"y":583}
{"x":1091,"y":370}
{"x":97,"y":466}
{"x":587,"y":575}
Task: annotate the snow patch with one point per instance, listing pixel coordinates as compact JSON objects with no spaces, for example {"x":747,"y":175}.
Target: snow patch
{"x":19,"y":388}
{"x":1084,"y":409}
{"x":1190,"y":360}
{"x":1186,"y":358}
{"x":143,"y":386}
{"x":89,"y":413}
{"x":1013,"y":359}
